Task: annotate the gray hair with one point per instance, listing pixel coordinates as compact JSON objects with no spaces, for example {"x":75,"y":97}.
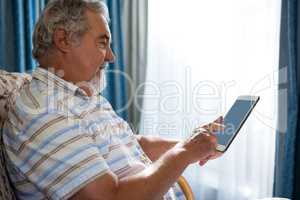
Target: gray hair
{"x":68,"y":15}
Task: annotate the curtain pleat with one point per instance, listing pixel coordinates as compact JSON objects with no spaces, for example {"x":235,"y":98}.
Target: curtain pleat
{"x":135,"y":20}
{"x":288,"y":137}
{"x":18,"y":18}
{"x":116,"y":90}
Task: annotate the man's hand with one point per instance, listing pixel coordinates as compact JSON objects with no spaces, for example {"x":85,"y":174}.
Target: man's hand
{"x":201,"y":146}
{"x":217,"y":125}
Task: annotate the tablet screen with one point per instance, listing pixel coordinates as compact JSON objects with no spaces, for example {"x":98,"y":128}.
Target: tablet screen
{"x":234,"y":119}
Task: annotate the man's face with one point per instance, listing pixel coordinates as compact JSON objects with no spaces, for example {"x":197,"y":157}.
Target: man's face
{"x":93,"y":51}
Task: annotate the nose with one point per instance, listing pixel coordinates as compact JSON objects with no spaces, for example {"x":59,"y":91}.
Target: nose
{"x":110,"y":56}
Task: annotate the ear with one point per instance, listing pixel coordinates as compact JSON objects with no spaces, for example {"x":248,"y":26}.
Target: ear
{"x":61,"y":41}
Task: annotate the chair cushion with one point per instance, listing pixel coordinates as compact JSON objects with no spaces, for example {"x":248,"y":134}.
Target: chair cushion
{"x":6,"y":192}
{"x":10,"y":84}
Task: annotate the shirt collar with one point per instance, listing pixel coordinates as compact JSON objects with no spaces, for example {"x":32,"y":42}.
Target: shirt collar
{"x":47,"y":77}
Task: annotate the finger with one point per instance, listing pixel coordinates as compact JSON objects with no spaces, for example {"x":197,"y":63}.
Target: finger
{"x":214,"y":127}
{"x":205,"y":160}
{"x":217,"y":155}
{"x":202,"y":162}
{"x":211,"y":157}
{"x":217,"y":125}
{"x":220,"y":120}
{"x":199,"y":132}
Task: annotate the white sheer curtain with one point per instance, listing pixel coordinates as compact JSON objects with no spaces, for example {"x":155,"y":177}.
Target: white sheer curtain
{"x":201,"y":56}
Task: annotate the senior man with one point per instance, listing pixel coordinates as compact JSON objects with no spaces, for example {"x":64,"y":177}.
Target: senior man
{"x":64,"y":141}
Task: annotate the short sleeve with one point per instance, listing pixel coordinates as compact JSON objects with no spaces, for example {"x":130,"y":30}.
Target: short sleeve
{"x":56,"y":154}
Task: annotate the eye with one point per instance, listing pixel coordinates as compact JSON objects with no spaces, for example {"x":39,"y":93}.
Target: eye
{"x":102,"y":44}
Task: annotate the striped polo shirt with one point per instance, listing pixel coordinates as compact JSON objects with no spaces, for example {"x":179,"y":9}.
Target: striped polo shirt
{"x":57,"y":140}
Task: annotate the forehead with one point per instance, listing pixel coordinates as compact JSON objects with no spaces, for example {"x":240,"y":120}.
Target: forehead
{"x":97,"y":23}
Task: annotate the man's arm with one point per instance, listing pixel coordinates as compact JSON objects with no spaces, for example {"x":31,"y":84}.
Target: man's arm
{"x":153,"y":182}
{"x":155,"y":146}
{"x":150,"y":184}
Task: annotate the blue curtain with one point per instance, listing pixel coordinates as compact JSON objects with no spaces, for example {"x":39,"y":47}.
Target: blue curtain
{"x":17,"y":20}
{"x":116,"y":91}
{"x":16,"y":26}
{"x":287,"y":174}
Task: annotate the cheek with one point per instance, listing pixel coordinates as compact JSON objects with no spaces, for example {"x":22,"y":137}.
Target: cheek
{"x":97,"y":55}
{"x":101,"y":55}
{"x":92,"y":59}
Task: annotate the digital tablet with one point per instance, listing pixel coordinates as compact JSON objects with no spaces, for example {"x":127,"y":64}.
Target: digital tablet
{"x":234,"y":120}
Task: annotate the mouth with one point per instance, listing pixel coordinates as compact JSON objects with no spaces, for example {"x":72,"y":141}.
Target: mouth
{"x":103,"y":66}
{"x":100,"y":69}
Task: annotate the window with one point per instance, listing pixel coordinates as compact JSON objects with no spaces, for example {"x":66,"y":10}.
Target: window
{"x":202,"y":55}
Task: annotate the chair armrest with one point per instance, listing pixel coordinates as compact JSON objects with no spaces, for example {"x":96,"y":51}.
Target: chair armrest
{"x":187,"y":190}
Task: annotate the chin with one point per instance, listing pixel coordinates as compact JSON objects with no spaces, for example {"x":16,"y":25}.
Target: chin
{"x":98,"y":81}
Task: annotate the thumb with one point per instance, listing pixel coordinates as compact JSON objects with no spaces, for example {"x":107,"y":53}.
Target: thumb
{"x":220,"y":120}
